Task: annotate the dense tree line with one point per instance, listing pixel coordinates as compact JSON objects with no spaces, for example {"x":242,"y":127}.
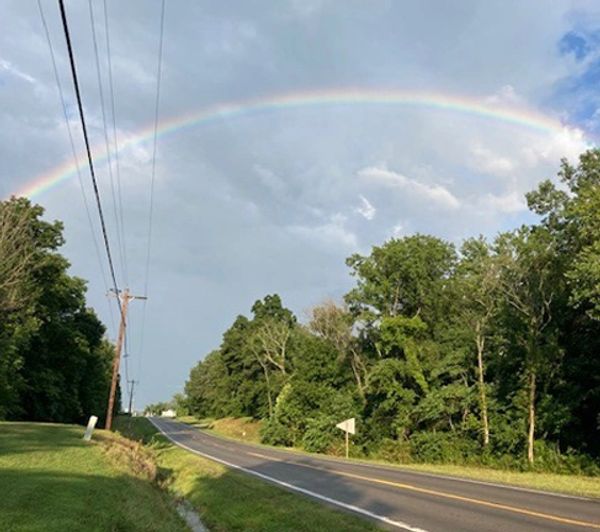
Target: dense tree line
{"x":485,"y":353}
{"x":55,"y":363}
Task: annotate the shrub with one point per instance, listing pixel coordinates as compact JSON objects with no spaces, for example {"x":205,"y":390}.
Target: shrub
{"x":275,"y":433}
{"x":396,"y":451}
{"x":320,"y":434}
{"x":436,"y":447}
{"x":549,"y":458}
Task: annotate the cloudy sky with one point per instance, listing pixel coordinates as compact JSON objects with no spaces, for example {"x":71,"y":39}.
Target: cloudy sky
{"x":272,"y":199}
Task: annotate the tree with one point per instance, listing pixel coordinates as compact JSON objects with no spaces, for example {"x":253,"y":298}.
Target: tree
{"x":477,"y":286}
{"x":16,"y":254}
{"x":272,"y":327}
{"x":208,"y":389}
{"x":404,"y":276}
{"x":573,"y":219}
{"x":488,"y":355}
{"x":530,"y":284}
{"x":55,"y":364}
{"x":273,"y":337}
{"x":335,"y":324}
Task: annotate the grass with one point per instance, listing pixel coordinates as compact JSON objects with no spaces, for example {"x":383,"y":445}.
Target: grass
{"x":580,"y":485}
{"x":230,"y":500}
{"x":53,"y":481}
{"x":244,"y":429}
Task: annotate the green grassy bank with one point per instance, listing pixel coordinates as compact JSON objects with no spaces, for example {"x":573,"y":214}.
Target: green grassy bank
{"x":229,"y":500}
{"x":53,"y":481}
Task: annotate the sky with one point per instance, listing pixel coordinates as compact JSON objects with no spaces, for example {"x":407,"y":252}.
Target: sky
{"x":329,"y":127}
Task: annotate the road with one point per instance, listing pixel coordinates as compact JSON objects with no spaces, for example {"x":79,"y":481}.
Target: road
{"x":396,"y":498}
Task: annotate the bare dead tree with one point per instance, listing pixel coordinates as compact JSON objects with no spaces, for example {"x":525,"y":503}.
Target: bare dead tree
{"x":273,"y":336}
{"x":334,"y":323}
{"x":255,"y":346}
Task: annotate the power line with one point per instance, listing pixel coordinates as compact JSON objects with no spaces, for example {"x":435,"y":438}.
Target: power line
{"x":87,"y":146}
{"x":152,"y":177}
{"x":74,"y":152}
{"x":154,"y":143}
{"x":118,"y":212}
{"x":115,"y":140}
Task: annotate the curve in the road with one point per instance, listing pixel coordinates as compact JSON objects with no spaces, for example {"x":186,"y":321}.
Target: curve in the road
{"x":421,"y":500}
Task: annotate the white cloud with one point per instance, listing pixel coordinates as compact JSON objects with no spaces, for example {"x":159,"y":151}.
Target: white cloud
{"x":398,"y":230}
{"x":208,"y":188}
{"x":366,"y":209}
{"x":269,"y":178}
{"x":7,"y":66}
{"x":436,"y":193}
{"x":569,"y":142}
{"x":508,"y":203}
{"x":332,"y":232}
{"x":505,"y":95}
{"x":485,"y":160}
{"x":307,"y":8}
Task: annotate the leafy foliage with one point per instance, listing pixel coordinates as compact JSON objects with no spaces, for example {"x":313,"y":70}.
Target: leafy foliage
{"x":55,"y":364}
{"x":485,"y":355}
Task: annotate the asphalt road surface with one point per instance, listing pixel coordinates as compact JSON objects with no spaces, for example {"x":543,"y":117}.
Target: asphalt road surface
{"x":396,"y":498}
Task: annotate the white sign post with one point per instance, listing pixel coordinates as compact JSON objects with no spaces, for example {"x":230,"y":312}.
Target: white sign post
{"x":348,"y":426}
{"x":90,"y":428}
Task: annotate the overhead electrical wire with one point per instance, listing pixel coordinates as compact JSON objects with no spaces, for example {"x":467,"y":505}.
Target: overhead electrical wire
{"x":117,"y":205}
{"x":74,"y":153}
{"x":119,"y":201}
{"x":88,"y":149}
{"x":115,"y":138}
{"x":152,"y":178}
{"x":154,"y":144}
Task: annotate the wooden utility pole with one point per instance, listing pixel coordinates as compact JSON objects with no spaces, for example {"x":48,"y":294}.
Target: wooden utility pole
{"x":125,"y":297}
{"x":133,"y":383}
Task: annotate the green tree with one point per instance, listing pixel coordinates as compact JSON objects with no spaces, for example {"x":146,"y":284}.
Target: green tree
{"x":404,"y":276}
{"x":477,"y":286}
{"x":54,"y":364}
{"x":531,"y":284}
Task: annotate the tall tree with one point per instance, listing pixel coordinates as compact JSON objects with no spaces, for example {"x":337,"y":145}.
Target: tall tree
{"x":478,"y":289}
{"x":335,"y":324}
{"x":404,"y":276}
{"x":531,"y":283}
{"x":54,"y":364}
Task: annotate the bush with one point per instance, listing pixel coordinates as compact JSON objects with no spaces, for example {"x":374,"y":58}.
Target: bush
{"x":394,"y":451}
{"x":437,"y":447}
{"x":320,"y":434}
{"x":275,"y":433}
{"x":549,"y":458}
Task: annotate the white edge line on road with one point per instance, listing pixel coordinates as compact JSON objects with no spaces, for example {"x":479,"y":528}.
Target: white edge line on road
{"x":400,"y":469}
{"x":351,"y":507}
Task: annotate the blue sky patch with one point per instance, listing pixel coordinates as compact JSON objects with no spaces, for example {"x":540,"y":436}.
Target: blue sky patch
{"x":575,"y":43}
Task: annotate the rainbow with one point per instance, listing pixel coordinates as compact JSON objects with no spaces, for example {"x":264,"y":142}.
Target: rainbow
{"x":518,"y":116}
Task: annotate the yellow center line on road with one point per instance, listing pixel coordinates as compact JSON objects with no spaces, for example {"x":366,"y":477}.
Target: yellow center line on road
{"x":444,"y":494}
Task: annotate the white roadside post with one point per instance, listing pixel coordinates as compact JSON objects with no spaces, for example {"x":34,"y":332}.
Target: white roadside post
{"x":90,"y":428}
{"x":348,"y":426}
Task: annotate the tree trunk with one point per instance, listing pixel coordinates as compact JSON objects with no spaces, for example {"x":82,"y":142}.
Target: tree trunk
{"x":268,"y":391}
{"x":531,"y":434}
{"x":265,"y":368}
{"x":356,"y":365}
{"x":480,"y":340}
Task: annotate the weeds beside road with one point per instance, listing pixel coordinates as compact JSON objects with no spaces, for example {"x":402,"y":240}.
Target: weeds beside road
{"x":229,"y":500}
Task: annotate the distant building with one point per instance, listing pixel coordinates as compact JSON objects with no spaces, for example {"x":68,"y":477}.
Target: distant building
{"x":168,"y":413}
